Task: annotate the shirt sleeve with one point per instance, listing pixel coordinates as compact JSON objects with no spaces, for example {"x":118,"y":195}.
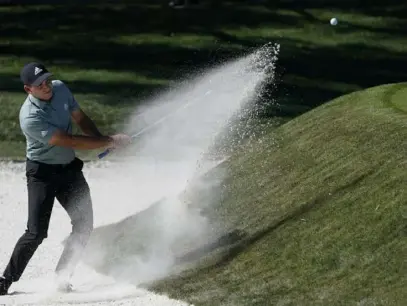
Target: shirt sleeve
{"x":38,"y":129}
{"x":72,"y":103}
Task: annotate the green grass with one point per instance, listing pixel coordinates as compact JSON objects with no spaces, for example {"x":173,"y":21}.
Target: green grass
{"x":321,"y":201}
{"x":114,"y":56}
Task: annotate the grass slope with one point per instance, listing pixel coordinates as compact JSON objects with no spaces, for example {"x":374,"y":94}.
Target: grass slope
{"x":321,"y":201}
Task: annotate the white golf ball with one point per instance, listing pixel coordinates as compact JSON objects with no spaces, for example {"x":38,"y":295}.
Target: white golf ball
{"x":334,"y":21}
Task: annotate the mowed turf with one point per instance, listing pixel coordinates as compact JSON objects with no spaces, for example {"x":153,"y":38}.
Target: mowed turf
{"x":321,"y":204}
{"x":117,"y":56}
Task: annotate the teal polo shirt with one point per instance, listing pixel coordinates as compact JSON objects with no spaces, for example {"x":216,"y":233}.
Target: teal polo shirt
{"x":40,"y":119}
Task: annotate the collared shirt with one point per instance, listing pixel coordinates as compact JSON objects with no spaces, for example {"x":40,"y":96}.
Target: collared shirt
{"x":40,"y":119}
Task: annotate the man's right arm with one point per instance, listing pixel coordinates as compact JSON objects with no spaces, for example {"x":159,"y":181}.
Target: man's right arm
{"x":46,"y":133}
{"x":79,"y":142}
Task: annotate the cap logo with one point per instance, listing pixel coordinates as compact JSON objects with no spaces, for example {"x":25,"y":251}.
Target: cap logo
{"x":37,"y":70}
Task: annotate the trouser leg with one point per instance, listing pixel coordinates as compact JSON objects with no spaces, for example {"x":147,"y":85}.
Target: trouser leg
{"x":74,"y":196}
{"x":41,"y":193}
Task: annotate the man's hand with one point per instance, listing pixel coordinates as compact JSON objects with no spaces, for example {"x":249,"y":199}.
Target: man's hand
{"x":120,"y":140}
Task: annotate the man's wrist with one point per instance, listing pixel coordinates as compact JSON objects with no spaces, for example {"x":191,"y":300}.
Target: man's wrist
{"x":107,"y":139}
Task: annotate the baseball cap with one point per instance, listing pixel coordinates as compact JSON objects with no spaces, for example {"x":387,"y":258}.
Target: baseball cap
{"x":34,"y":74}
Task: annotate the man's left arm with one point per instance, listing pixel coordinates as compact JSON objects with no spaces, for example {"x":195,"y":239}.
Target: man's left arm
{"x":86,"y":124}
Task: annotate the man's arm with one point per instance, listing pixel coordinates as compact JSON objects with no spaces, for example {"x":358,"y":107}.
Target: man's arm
{"x":46,"y":133}
{"x":60,"y":138}
{"x":86,"y":124}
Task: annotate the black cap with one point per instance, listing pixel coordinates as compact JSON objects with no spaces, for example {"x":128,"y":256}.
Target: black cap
{"x":34,"y":74}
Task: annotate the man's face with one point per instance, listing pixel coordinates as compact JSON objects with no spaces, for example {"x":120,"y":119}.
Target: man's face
{"x":42,"y":92}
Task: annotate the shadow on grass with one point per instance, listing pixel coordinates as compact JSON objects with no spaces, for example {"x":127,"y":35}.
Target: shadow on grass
{"x":134,"y":239}
{"x":338,"y":71}
{"x":156,"y":42}
{"x":113,"y":93}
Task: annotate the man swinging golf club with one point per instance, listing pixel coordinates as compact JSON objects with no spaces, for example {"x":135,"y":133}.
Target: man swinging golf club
{"x":54,"y":171}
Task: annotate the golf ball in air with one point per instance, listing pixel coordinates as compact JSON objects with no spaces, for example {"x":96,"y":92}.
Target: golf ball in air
{"x":334,"y":21}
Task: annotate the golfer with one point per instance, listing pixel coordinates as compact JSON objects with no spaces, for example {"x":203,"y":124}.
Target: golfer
{"x":54,"y":172}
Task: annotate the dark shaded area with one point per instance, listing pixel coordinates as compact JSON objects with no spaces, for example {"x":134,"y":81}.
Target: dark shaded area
{"x":352,"y":66}
{"x":9,"y":82}
{"x":86,"y":35}
{"x":225,"y":240}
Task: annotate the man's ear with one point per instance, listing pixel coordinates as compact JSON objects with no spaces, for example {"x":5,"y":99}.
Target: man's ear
{"x":27,"y":89}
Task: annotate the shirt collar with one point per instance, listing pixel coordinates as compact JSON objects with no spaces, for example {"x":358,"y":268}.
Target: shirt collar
{"x":39,"y":103}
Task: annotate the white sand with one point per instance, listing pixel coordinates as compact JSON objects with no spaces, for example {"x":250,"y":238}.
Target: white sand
{"x":37,"y":280}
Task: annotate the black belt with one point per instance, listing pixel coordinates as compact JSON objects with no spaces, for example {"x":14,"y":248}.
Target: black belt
{"x":76,"y":164}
